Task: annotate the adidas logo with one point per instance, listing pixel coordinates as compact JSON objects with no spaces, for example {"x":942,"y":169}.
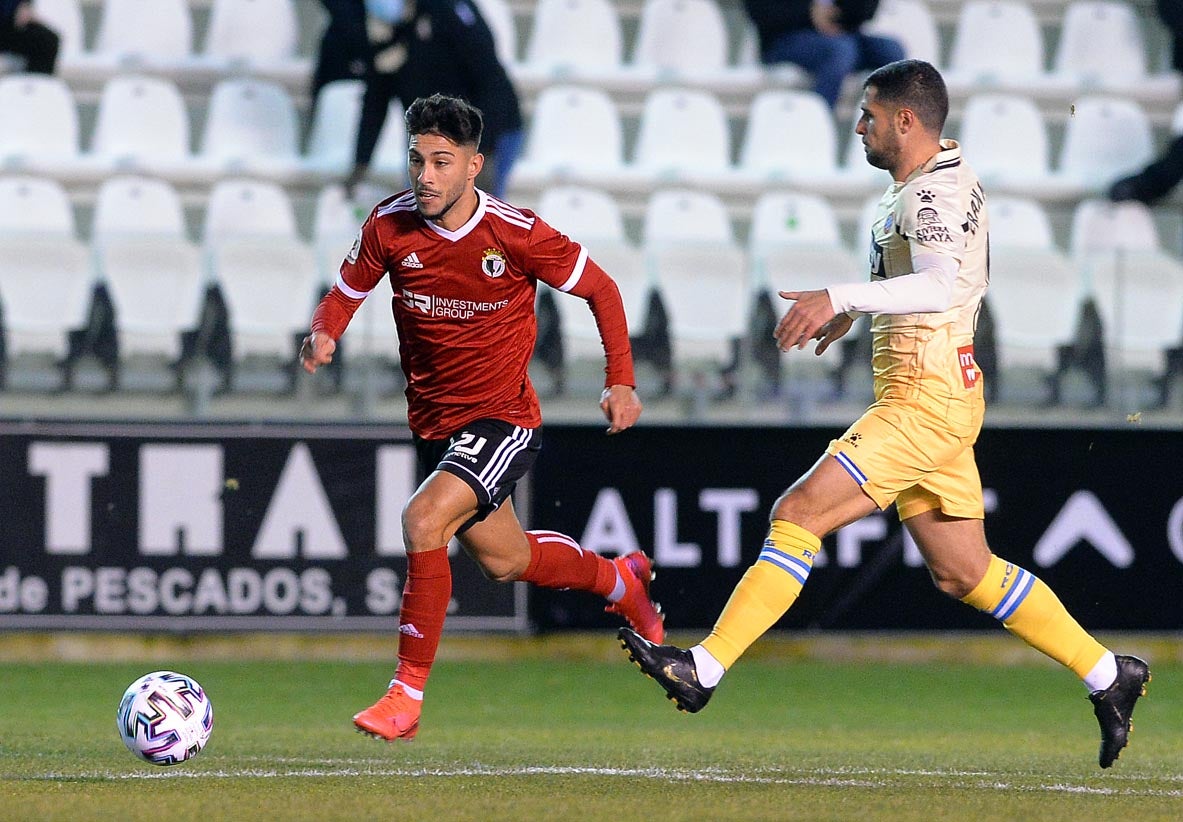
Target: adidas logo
{"x":412,"y":261}
{"x":409,"y":628}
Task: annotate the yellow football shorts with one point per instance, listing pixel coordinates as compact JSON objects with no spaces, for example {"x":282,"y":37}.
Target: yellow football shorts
{"x":911,"y":453}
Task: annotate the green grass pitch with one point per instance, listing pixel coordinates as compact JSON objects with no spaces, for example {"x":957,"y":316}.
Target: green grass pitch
{"x":522,"y":731}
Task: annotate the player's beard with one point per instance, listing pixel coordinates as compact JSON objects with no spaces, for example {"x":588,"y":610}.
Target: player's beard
{"x":886,"y":155}
{"x":444,"y":205}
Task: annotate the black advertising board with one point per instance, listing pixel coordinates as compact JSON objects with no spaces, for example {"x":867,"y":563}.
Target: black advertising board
{"x":1097,"y":514}
{"x":215,"y":527}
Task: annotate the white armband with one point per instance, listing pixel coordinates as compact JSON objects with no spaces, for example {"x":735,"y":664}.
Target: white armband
{"x":927,"y":290}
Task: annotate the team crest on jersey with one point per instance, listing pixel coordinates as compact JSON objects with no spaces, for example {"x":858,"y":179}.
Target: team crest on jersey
{"x":354,"y":249}
{"x":493,"y":263}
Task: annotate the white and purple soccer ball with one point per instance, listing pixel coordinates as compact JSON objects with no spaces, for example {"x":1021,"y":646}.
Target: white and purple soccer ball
{"x":165,"y":718}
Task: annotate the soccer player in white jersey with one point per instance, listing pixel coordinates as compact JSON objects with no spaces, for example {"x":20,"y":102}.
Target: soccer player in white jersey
{"x":914,"y":446}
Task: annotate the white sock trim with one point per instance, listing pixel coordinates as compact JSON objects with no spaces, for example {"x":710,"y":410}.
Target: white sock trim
{"x":1103,"y":674}
{"x":413,"y":693}
{"x":618,"y":589}
{"x":709,"y":669}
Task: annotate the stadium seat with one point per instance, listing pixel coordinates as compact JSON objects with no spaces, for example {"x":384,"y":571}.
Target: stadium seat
{"x":65,"y":18}
{"x":335,"y":223}
{"x":912,"y":24}
{"x":39,"y":129}
{"x":252,"y":34}
{"x":143,"y":34}
{"x":701,"y":275}
{"x":686,"y":42}
{"x":1019,"y":222}
{"x":498,"y":15}
{"x":1101,"y":45}
{"x":575,"y":38}
{"x":1106,"y":138}
{"x":129,"y":206}
{"x":575,"y":134}
{"x":1034,"y":291}
{"x":142,"y":125}
{"x":1005,"y":140}
{"x":680,"y":38}
{"x":794,"y":244}
{"x":592,"y":218}
{"x":251,"y":128}
{"x":372,"y":336}
{"x":1139,"y":294}
{"x":1101,"y":226}
{"x":683,"y":135}
{"x":251,"y":209}
{"x":152,"y":273}
{"x":267,"y":277}
{"x":790,"y":135}
{"x":332,"y":138}
{"x":46,"y":280}
{"x":996,"y":41}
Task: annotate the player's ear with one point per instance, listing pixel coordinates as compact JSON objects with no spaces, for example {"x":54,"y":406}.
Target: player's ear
{"x":905,"y":120}
{"x":475,"y":165}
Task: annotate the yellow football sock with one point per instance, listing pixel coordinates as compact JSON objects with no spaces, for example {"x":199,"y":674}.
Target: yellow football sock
{"x":1028,"y":608}
{"x":766,"y":591}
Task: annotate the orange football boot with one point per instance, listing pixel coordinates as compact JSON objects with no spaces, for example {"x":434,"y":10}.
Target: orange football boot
{"x":394,"y":716}
{"x":642,"y":614}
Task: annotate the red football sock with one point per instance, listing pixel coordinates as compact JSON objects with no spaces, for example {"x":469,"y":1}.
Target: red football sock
{"x":421,"y":619}
{"x":557,"y":561}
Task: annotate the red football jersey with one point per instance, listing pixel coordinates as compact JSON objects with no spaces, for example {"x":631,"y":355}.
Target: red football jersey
{"x":464,"y":307}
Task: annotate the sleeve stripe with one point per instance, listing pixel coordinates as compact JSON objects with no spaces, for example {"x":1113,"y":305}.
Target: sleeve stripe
{"x":577,"y":272}
{"x":351,"y":293}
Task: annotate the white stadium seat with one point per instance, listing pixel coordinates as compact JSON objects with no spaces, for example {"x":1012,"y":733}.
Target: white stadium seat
{"x":912,"y":24}
{"x":1099,"y":226}
{"x":681,"y":38}
{"x":140,"y":33}
{"x":575,"y":36}
{"x":65,"y":18}
{"x":142,"y":124}
{"x":45,"y":273}
{"x":252,"y":32}
{"x":1019,"y":222}
{"x":790,"y":135}
{"x":1101,"y":44}
{"x":1106,"y":138}
{"x":39,"y":129}
{"x":1005,"y":139}
{"x":241,"y":208}
{"x":575,"y":133}
{"x":586,"y":214}
{"x":129,"y":206}
{"x":251,"y":128}
{"x":996,"y":40}
{"x":152,"y":272}
{"x":683,"y":134}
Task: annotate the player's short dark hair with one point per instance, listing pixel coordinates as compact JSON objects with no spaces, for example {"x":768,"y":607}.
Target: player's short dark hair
{"x":913,"y":84}
{"x":451,"y":117}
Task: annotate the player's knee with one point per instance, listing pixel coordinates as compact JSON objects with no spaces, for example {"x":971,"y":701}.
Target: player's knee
{"x":422,"y":527}
{"x":501,"y":569}
{"x":952,"y":582}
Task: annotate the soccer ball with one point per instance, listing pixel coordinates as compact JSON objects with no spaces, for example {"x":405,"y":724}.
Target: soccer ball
{"x":165,"y":718}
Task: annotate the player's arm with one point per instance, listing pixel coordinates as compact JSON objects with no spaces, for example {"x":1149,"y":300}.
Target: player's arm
{"x":361,"y":270}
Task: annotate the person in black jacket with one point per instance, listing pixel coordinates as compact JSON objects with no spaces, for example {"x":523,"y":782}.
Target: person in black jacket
{"x":344,"y":52}
{"x":22,"y":34}
{"x":823,"y":37}
{"x":425,"y":47}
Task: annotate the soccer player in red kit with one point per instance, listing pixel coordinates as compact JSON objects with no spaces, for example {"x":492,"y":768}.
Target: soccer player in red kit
{"x":464,"y":267}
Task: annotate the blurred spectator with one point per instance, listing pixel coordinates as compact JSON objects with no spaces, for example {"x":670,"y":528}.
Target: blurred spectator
{"x":424,"y":47}
{"x":344,"y":48}
{"x":823,"y":37}
{"x":1157,"y":179}
{"x":23,"y":34}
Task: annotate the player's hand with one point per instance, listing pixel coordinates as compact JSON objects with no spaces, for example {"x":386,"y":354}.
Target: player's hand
{"x":317,"y":350}
{"x":835,"y":329}
{"x":824,"y":17}
{"x":805,"y":319}
{"x":621,"y":406}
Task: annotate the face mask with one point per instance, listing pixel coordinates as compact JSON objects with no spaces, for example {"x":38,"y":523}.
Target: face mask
{"x":388,"y":11}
